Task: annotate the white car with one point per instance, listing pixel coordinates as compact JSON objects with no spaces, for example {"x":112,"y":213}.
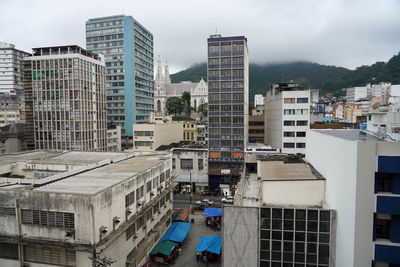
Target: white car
{"x":205,"y":202}
{"x":227,"y":199}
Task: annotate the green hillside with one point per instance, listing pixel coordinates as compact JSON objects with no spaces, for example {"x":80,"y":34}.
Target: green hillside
{"x":326,"y":78}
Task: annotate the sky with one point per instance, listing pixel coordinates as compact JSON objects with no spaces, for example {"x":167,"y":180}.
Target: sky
{"x":347,"y":33}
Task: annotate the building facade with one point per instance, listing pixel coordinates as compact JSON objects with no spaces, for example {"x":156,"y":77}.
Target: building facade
{"x":120,"y":213}
{"x":259,"y":100}
{"x":256,"y":129}
{"x":164,"y":89}
{"x":11,"y":69}
{"x":228,"y":98}
{"x":114,"y":142}
{"x":287,"y":117}
{"x":68,"y":99}
{"x":128,"y":49}
{"x":150,"y":136}
{"x":362,"y":185}
{"x":10,"y":109}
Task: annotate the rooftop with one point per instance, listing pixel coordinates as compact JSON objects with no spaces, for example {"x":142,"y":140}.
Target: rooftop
{"x":65,"y":49}
{"x":278,"y":170}
{"x":350,"y":134}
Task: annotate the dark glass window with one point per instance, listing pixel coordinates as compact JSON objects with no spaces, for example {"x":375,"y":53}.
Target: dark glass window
{"x":288,"y":256}
{"x":313,"y":215}
{"x":277,"y":235}
{"x":277,"y":224}
{"x":323,"y":254}
{"x":288,"y":123}
{"x":300,"y":225}
{"x":311,"y":248}
{"x":265,"y":213}
{"x":277,"y":213}
{"x":264,"y":255}
{"x":265,"y":223}
{"x":289,"y":214}
{"x":312,"y":237}
{"x":383,"y":182}
{"x":265,"y":234}
{"x":325,"y":215}
{"x":276,"y":256}
{"x":288,"y":225}
{"x":299,"y":257}
{"x":287,"y":246}
{"x":300,"y":236}
{"x":311,"y":258}
{"x":299,"y":247}
{"x":288,"y":235}
{"x":300,"y":214}
{"x":382,"y":228}
{"x":324,"y":227}
{"x":312,"y":226}
{"x":324,"y":238}
{"x":265,"y":244}
{"x":276,"y":245}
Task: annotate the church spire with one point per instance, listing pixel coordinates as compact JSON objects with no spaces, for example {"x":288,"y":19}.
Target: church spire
{"x":159,"y":74}
{"x":167,"y":77}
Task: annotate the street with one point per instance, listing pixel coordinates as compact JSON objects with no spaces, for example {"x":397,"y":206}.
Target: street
{"x":182,"y":203}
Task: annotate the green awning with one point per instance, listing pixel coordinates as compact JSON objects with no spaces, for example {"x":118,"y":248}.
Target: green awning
{"x":164,"y":247}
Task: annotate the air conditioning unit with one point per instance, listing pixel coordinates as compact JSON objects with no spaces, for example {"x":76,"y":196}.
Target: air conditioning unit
{"x":152,"y":193}
{"x":139,"y":203}
{"x":103,"y":231}
{"x":116,"y":221}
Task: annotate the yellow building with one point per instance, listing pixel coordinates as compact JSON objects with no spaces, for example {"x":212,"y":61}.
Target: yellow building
{"x":190,"y":130}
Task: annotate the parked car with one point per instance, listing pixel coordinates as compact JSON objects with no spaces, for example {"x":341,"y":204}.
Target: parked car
{"x":227,"y":200}
{"x":205,"y":202}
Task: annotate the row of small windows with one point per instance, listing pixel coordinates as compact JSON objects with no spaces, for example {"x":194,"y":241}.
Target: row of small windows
{"x":295,"y":123}
{"x":105,"y":37}
{"x":293,"y":134}
{"x":292,"y":145}
{"x":225,"y":73}
{"x":226,"y":131}
{"x":295,"y":111}
{"x":225,"y":96}
{"x":227,"y":120}
{"x":235,"y":48}
{"x":216,"y":108}
{"x":103,"y":24}
{"x":225,"y":61}
{"x":300,"y":100}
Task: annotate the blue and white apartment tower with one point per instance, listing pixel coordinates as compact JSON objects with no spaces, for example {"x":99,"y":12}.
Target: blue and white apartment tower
{"x":128,"y":50}
{"x":362,"y":174}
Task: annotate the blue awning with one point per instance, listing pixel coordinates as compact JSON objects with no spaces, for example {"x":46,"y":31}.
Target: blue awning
{"x":177,"y":232}
{"x":212,"y":212}
{"x":210,"y":244}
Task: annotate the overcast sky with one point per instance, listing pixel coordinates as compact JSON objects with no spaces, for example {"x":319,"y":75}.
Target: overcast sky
{"x":346,"y":33}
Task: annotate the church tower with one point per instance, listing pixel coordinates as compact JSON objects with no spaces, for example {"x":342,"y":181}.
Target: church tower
{"x":167,"y":77}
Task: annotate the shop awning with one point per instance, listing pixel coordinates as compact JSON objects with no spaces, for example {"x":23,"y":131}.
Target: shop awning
{"x":163,"y":247}
{"x":177,"y":232}
{"x":209,"y":243}
{"x":212,"y":212}
{"x":181,"y":215}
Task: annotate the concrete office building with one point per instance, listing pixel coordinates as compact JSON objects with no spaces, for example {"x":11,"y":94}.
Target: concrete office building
{"x":128,"y":49}
{"x":287,"y":117}
{"x":228,"y":96}
{"x":11,"y":69}
{"x":362,"y":185}
{"x":279,"y":217}
{"x":68,"y":99}
{"x":10,"y":109}
{"x":356,"y":93}
{"x":256,"y":128}
{"x":150,"y":136}
{"x":67,"y":208}
{"x":259,"y":100}
{"x":114,"y":138}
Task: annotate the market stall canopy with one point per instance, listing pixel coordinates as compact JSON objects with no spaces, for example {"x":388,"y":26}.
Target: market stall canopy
{"x":209,"y":243}
{"x":177,"y":232}
{"x":163,"y":247}
{"x":212,"y":212}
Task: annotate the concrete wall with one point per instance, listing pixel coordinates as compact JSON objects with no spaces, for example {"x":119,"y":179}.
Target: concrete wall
{"x":240,"y":236}
{"x":336,"y":160}
{"x":164,"y":134}
{"x":306,"y":192}
{"x":273,"y":120}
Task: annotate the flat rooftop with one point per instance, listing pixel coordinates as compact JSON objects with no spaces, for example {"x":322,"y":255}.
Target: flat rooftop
{"x":278,"y":170}
{"x":96,"y":180}
{"x":349,"y":134}
{"x":28,"y":156}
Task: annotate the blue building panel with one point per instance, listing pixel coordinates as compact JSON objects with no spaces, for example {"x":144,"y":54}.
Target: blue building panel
{"x":388,"y":205}
{"x":390,"y":164}
{"x":386,"y":253}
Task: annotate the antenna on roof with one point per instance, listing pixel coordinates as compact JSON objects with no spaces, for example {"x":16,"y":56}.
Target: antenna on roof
{"x":216,"y":29}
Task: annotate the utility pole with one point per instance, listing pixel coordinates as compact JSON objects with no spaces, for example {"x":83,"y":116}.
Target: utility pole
{"x":190,"y":186}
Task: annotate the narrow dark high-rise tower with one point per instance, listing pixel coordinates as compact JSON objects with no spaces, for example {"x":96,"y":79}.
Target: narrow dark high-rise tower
{"x":228,"y":91}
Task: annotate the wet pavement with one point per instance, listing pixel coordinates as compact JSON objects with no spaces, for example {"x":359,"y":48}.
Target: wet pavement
{"x":188,"y":254}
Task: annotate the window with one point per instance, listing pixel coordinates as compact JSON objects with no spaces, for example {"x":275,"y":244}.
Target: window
{"x":139,"y":223}
{"x":383,"y":182}
{"x":301,"y":111}
{"x":130,"y":231}
{"x":139,"y":192}
{"x":302,"y":123}
{"x":187,"y":164}
{"x":288,"y":134}
{"x":48,"y":218}
{"x":200,"y":164}
{"x":50,"y":255}
{"x":129,"y":199}
{"x":382,"y":226}
{"x":162,"y":177}
{"x":288,"y":123}
{"x":288,"y":145}
{"x":149,"y":214}
{"x":300,"y":145}
{"x":155,"y":182}
{"x":8,"y":251}
{"x":143,"y":133}
{"x":288,"y":111}
{"x":173,"y":163}
{"x":302,"y":100}
{"x":289,"y":100}
{"x":148,"y":186}
{"x":301,"y":134}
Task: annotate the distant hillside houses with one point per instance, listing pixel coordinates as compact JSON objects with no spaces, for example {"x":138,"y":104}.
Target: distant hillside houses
{"x":164,"y":89}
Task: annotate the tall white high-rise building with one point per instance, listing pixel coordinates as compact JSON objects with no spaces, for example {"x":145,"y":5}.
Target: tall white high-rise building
{"x":11,"y":65}
{"x":287,"y":117}
{"x":259,"y":100}
{"x":68,"y":95}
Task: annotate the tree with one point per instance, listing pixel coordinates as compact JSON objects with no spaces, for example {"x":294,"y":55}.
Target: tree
{"x":202,"y":109}
{"x":175,"y":105}
{"x":186,"y":98}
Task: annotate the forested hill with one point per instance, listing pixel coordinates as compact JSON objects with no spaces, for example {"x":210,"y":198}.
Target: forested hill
{"x":326,"y":78}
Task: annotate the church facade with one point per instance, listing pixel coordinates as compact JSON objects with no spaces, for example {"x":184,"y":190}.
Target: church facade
{"x":164,"y":89}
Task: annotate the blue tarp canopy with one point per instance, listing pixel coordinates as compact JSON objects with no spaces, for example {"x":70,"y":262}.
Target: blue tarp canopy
{"x":177,"y":232}
{"x":212,"y":212}
{"x":209,"y":243}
